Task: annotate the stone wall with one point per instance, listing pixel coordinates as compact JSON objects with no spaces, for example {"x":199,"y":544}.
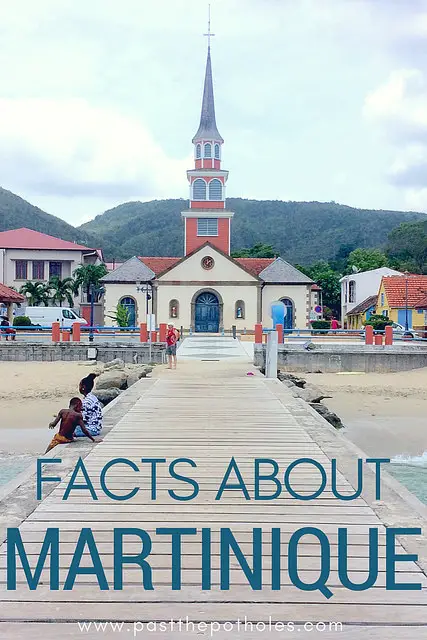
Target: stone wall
{"x":106,"y":351}
{"x":334,"y":358}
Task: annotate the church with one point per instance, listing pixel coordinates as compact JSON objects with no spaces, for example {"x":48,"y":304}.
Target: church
{"x":206,"y":290}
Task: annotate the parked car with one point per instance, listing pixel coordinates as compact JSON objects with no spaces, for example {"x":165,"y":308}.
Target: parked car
{"x":399,"y":331}
{"x":44,"y":316}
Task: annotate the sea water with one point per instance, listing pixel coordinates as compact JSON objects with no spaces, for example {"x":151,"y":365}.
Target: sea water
{"x":411,"y":471}
{"x":12,"y":465}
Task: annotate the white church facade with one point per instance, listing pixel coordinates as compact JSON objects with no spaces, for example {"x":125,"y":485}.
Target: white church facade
{"x":206,"y":289}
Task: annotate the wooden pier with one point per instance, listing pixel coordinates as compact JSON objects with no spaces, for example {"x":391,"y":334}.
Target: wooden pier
{"x":209,"y":412}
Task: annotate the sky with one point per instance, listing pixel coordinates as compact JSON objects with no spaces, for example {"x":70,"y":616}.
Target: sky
{"x":316,"y":100}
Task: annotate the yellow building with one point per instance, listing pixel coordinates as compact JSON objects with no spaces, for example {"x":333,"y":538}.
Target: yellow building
{"x":357,"y":317}
{"x":403,"y":299}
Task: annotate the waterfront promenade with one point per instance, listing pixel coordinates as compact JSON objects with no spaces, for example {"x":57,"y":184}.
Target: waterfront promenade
{"x":210,"y":410}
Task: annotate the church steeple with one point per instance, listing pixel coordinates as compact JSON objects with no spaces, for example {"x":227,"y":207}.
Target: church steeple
{"x":207,"y":219}
{"x":207,"y":127}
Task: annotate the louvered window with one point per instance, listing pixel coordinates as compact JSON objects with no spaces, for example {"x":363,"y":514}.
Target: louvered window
{"x":215,"y":190}
{"x":208,"y":150}
{"x":198,"y":151}
{"x":217,"y":151}
{"x":207,"y":227}
{"x":199,"y":189}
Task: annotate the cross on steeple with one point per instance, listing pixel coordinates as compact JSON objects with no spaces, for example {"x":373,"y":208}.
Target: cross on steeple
{"x":209,"y":34}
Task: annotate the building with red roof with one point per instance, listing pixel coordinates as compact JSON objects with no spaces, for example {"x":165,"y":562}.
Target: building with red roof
{"x":403,"y":299}
{"x":207,"y":289}
{"x":28,"y":255}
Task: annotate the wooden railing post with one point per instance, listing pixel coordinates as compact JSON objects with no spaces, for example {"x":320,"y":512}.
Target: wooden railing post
{"x":389,"y":334}
{"x":369,"y":334}
{"x":56,"y":332}
{"x":279,"y":329}
{"x":143,"y":333}
{"x":76,"y":331}
{"x":258,"y":333}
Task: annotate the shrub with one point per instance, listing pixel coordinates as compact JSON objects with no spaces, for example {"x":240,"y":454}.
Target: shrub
{"x":320,"y":324}
{"x":22,"y":321}
{"x":378,"y":322}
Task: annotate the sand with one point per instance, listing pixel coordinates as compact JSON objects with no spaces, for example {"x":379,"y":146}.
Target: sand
{"x":385,"y":414}
{"x":30,"y":393}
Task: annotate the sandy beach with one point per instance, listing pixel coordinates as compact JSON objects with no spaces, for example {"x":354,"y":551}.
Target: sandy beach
{"x":385,"y":414}
{"x":30,"y":393}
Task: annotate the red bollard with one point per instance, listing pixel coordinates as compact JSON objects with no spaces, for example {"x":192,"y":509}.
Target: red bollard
{"x":369,"y":334}
{"x":162,"y":331}
{"x":66,"y":335}
{"x":258,"y":333}
{"x":154,"y":336}
{"x":76,"y":331}
{"x":389,"y":334}
{"x":279,"y":329}
{"x":378,"y":339}
{"x":56,"y":332}
{"x":143,"y":333}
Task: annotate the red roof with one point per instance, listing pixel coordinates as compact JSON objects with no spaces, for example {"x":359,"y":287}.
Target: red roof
{"x":254,"y":265}
{"x":159,"y":264}
{"x":395,"y":289}
{"x":9,"y":295}
{"x":29,"y":239}
{"x":315,"y":287}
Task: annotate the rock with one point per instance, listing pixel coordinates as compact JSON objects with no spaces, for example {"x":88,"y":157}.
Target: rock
{"x":111,"y":379}
{"x":289,"y":377}
{"x":105,"y":396}
{"x":330,"y":416}
{"x":311,"y":393}
{"x":117,"y":363}
{"x":132,"y":378}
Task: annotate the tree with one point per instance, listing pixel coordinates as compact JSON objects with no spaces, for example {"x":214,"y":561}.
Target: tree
{"x":408,"y":244}
{"x":379,"y":322}
{"x":87,"y":275}
{"x":121,"y":316}
{"x":259,"y":250}
{"x":329,"y":280}
{"x":36,"y":293}
{"x":62,"y":290}
{"x":366,"y":259}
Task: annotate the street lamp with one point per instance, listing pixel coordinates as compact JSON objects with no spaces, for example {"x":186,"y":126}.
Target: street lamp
{"x":147,"y":288}
{"x":406,"y":302}
{"x":93,"y":291}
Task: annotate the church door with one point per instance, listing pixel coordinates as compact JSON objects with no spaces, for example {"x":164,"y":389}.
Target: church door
{"x":207,"y":313}
{"x":289,"y":314}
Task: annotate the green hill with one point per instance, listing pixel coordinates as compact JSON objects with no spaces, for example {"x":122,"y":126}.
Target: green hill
{"x":301,"y":232}
{"x":15,"y":212}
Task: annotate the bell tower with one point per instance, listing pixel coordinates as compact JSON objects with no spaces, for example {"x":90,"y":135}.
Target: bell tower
{"x":207,"y":218}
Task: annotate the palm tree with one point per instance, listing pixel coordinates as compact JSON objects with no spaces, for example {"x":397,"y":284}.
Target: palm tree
{"x":36,"y":293}
{"x":87,"y":275}
{"x":62,"y":290}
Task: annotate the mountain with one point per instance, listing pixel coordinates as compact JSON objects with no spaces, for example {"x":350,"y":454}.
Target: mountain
{"x":301,"y":232}
{"x":16,"y":213}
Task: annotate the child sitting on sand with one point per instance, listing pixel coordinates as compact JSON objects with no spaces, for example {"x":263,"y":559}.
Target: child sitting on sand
{"x":70,"y":419}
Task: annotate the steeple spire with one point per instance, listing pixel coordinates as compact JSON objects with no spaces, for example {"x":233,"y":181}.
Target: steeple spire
{"x":207,"y":128}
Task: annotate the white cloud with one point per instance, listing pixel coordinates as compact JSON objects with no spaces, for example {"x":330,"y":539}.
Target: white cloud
{"x":68,"y":147}
{"x":399,"y":109}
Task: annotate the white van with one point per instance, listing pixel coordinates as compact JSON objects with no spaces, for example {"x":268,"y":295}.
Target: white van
{"x":44,"y":316}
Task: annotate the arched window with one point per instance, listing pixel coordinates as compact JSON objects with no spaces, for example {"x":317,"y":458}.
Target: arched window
{"x":174,"y":309}
{"x":217,"y":152}
{"x":289,"y":317}
{"x":198,"y":151}
{"x":240,"y":310}
{"x":352,"y":291}
{"x":215,"y":189}
{"x":208,"y":150}
{"x":130,"y":305}
{"x":199,"y":189}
